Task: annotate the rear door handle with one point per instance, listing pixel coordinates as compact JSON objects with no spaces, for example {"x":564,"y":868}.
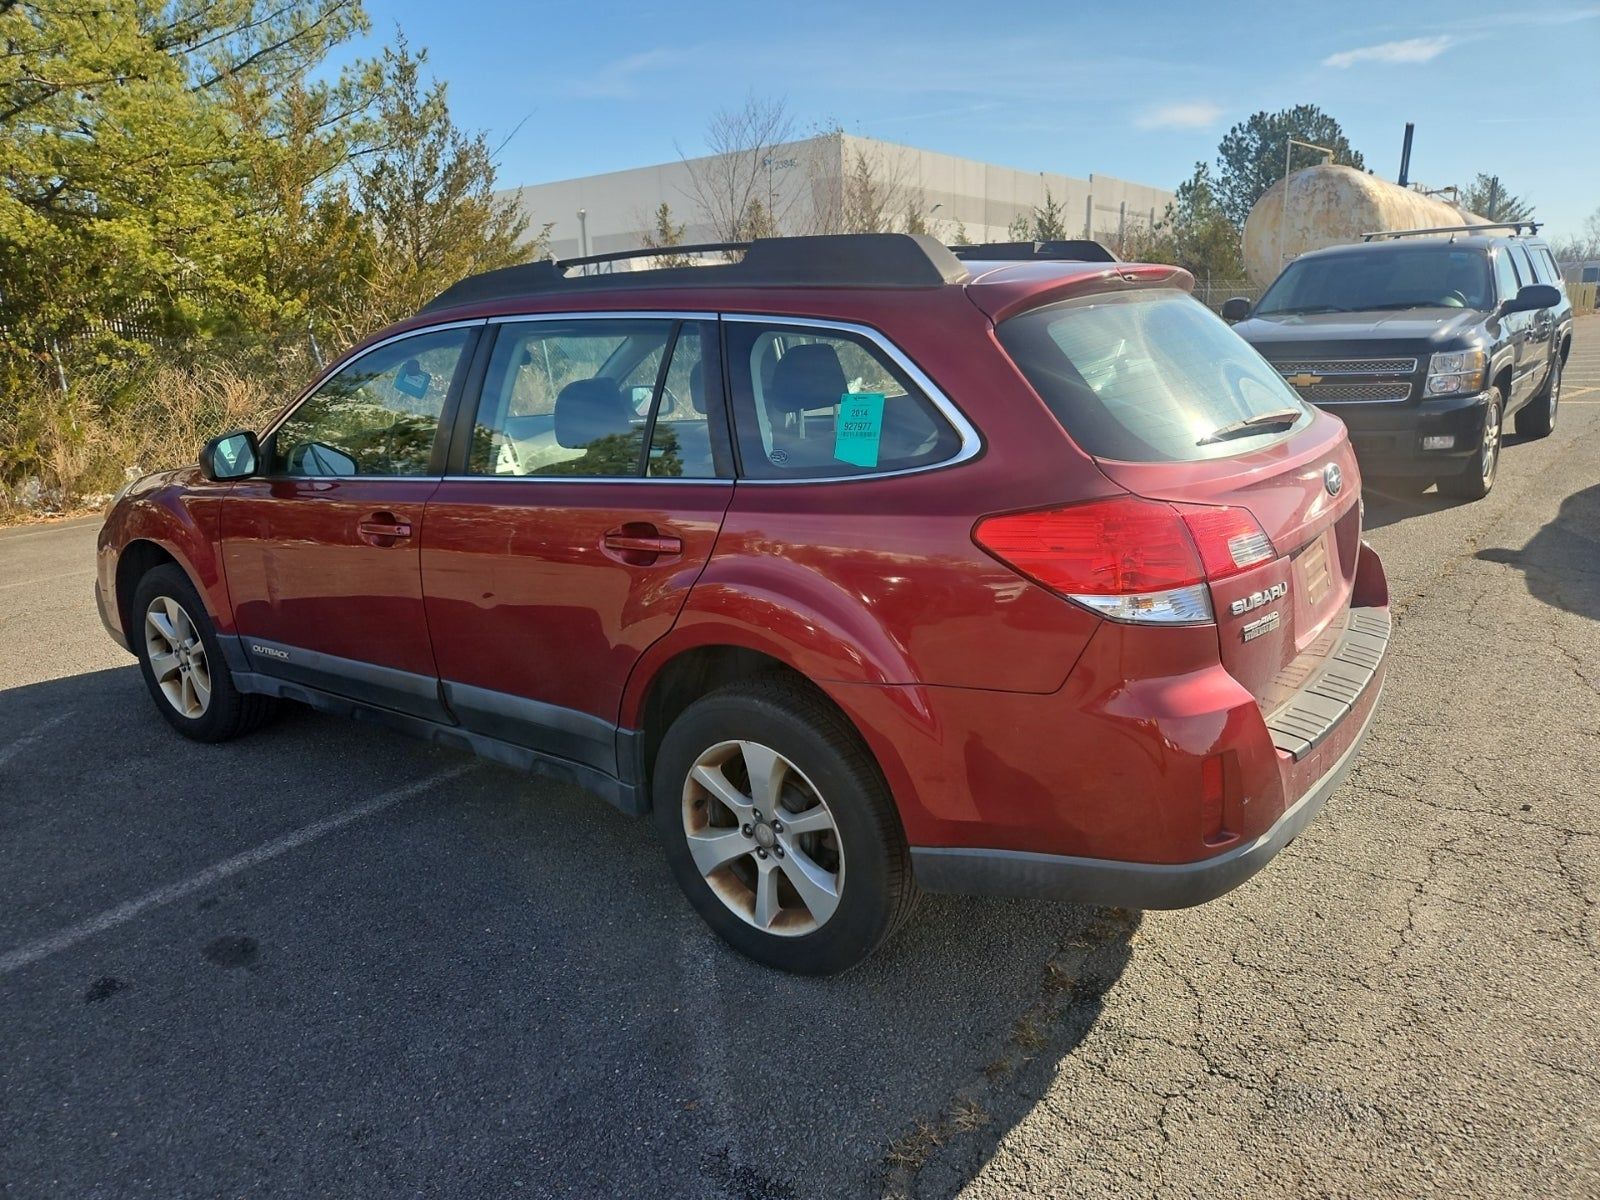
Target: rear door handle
{"x":638,"y":543}
{"x":383,"y":529}
{"x":645,"y":545}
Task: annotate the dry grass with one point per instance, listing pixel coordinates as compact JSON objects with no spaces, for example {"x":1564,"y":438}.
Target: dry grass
{"x":59,"y":452}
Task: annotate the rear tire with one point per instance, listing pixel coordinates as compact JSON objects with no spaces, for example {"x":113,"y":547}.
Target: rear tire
{"x":779,"y":828}
{"x":1475,"y":482}
{"x":182,"y":663}
{"x":1538,"y":418}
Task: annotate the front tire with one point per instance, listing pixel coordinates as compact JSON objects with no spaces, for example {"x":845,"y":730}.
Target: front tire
{"x":1475,"y":482}
{"x":1538,"y":418}
{"x":779,"y":829}
{"x":182,"y":661}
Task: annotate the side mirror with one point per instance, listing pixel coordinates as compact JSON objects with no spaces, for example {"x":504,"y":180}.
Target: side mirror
{"x":1234,"y":309}
{"x":230,"y":456}
{"x":1532,"y":298}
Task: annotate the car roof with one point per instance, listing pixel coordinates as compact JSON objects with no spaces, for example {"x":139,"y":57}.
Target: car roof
{"x":1470,"y":241}
{"x":886,"y":264}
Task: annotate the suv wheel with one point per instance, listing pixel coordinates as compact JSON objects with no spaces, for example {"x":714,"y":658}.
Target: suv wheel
{"x":779,"y":828}
{"x":1474,"y":482}
{"x":182,"y":662}
{"x":1538,"y":418}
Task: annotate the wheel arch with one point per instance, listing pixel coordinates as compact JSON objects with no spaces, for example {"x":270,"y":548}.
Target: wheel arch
{"x":138,"y":558}
{"x":676,"y":676}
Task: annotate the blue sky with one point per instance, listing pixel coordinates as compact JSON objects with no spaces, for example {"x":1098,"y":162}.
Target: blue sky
{"x":1135,"y":91}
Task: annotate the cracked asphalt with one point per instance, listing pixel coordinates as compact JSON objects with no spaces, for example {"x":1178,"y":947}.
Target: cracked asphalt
{"x":329,"y":960}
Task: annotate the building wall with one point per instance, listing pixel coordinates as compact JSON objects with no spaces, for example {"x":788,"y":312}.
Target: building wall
{"x":955,"y":194}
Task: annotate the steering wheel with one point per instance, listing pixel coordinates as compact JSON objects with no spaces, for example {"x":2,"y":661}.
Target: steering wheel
{"x":1453,"y":299}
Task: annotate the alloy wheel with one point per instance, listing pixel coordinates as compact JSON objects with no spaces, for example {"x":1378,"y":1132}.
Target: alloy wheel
{"x":177,"y":657}
{"x":763,"y":838}
{"x":1491,"y":441}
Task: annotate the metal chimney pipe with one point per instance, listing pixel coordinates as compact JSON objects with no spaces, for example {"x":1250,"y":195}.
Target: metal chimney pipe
{"x":1405,"y":155}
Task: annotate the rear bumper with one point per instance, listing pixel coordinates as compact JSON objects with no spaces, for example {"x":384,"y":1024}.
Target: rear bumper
{"x":1126,"y":884}
{"x":1388,"y":438}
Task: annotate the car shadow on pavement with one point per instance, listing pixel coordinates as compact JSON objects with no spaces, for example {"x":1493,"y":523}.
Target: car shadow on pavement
{"x":1561,"y":563}
{"x":489,"y":987}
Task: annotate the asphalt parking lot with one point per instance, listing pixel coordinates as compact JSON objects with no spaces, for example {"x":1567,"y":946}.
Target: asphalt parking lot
{"x":328,"y":960}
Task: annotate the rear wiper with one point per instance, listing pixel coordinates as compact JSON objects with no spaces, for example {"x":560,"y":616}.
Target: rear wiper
{"x":1280,"y":419}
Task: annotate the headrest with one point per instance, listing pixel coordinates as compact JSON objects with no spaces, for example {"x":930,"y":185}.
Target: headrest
{"x":588,"y":410}
{"x":807,"y":377}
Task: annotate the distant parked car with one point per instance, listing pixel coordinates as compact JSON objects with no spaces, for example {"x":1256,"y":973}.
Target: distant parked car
{"x":866,"y":567}
{"x":1424,"y":343}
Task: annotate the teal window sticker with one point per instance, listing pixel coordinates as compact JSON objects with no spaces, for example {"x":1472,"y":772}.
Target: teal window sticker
{"x":412,"y":380}
{"x":859,"y":428}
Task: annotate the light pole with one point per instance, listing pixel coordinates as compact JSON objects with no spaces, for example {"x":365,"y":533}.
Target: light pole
{"x":1283,"y":222}
{"x":583,"y":236}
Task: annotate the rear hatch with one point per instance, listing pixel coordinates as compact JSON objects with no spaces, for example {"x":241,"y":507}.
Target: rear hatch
{"x":1175,"y":407}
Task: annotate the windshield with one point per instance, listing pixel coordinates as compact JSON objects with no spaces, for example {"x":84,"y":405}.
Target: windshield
{"x":1397,"y":277}
{"x":1151,"y":376}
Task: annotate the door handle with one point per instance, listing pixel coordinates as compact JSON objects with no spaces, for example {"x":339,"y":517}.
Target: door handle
{"x":645,"y":545}
{"x":639,"y":543}
{"x":383,"y":529}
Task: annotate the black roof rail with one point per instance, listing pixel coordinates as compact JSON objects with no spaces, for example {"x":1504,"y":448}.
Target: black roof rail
{"x":1059,"y":250}
{"x":1514,"y":226}
{"x":864,"y":260}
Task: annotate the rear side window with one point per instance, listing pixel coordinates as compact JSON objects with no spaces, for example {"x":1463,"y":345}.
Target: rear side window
{"x":584,"y":397}
{"x":810,"y":403}
{"x":1151,"y":376}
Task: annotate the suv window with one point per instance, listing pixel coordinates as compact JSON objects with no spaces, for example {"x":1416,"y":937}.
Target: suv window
{"x":1544,"y":267}
{"x":1519,"y":257}
{"x":816,"y":404}
{"x":578,"y":397}
{"x":379,"y":415}
{"x":1505,"y":275}
{"x":1390,"y":277}
{"x":1150,"y":376}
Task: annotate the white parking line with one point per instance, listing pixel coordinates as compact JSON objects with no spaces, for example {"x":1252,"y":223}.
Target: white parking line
{"x":7,"y":753}
{"x":46,"y":579}
{"x":14,"y":960}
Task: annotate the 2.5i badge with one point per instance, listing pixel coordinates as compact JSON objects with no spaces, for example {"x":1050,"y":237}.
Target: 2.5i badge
{"x":1265,"y":624}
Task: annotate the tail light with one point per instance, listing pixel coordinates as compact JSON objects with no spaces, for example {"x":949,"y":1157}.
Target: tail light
{"x":1128,"y":558}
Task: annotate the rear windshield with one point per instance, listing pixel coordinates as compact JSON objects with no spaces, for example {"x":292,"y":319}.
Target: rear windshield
{"x":1151,"y":376}
{"x":1394,"y":278}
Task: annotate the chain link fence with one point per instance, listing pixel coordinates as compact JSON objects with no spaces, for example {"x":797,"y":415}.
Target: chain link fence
{"x":75,"y":427}
{"x":1214,"y":292}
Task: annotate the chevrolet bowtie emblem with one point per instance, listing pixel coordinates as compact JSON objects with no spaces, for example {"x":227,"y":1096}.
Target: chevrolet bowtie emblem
{"x":1304,"y":379}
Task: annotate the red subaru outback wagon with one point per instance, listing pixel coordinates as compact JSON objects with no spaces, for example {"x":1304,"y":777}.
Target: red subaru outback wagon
{"x":865,"y":567}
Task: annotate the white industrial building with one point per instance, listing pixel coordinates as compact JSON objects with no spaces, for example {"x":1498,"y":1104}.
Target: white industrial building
{"x":807,"y":185}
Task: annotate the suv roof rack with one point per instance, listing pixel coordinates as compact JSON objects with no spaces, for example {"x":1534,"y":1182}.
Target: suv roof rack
{"x":1514,"y":226}
{"x":864,"y":260}
{"x":1059,"y":250}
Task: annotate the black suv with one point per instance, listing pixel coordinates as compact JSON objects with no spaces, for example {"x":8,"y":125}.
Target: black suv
{"x":1423,"y":342}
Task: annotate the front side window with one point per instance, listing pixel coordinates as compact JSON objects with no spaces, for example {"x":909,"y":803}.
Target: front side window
{"x":379,"y":415}
{"x":817,"y":404}
{"x":580,"y":398}
{"x":1151,"y":376}
{"x":1391,"y":278}
{"x":1505,"y":275}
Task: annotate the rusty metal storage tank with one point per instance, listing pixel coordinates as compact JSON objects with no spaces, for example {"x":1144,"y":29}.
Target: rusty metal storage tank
{"x":1328,"y":205}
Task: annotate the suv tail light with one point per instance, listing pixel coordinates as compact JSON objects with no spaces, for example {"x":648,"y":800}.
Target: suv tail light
{"x":1127,"y":558}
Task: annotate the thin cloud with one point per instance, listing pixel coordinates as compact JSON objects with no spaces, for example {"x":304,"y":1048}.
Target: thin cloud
{"x":618,"y":79}
{"x":1193,"y":115}
{"x":1407,"y":50}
